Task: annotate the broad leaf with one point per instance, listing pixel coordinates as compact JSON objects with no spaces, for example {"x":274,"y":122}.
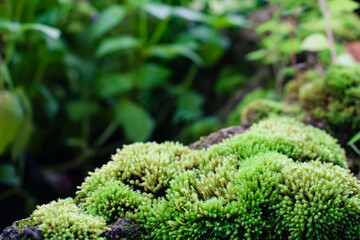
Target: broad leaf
{"x":8,"y":175}
{"x":48,"y":31}
{"x":151,"y":75}
{"x":256,"y":55}
{"x":342,"y":5}
{"x":113,"y":84}
{"x":160,"y":11}
{"x":115,"y":44}
{"x":189,"y":107}
{"x":171,"y":51}
{"x":315,"y":42}
{"x":80,"y":109}
{"x":108,"y":19}
{"x":137,"y":123}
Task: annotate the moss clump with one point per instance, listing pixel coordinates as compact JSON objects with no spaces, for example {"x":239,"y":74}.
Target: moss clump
{"x":62,"y":219}
{"x":113,"y":200}
{"x":227,"y":203}
{"x":137,"y":173}
{"x":235,"y":118}
{"x":26,"y":222}
{"x":319,"y":201}
{"x":276,"y":181}
{"x":286,"y":136}
{"x":147,"y":167}
{"x":261,"y":109}
{"x":333,"y":99}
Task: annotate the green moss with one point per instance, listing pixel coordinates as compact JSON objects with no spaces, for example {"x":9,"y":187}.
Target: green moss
{"x":319,"y":201}
{"x":261,"y":109}
{"x":333,"y":99}
{"x":113,"y":200}
{"x":62,"y":219}
{"x":286,"y":136}
{"x":26,"y":222}
{"x":235,"y":118}
{"x":276,"y":181}
{"x":147,"y":167}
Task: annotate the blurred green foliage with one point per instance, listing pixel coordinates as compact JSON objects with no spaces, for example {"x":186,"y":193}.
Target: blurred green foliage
{"x":80,"y":78}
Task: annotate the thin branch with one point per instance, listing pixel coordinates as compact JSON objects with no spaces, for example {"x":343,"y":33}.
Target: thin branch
{"x":328,"y":30}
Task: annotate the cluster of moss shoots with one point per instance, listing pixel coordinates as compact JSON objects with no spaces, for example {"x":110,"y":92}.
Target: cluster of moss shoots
{"x":331,"y":102}
{"x":279,"y":180}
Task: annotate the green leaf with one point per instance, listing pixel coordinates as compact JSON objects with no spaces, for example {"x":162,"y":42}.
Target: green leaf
{"x":80,"y":109}
{"x":21,"y":140}
{"x":188,"y":14}
{"x":114,"y":44}
{"x":137,"y":123}
{"x":256,"y":55}
{"x":189,"y":107}
{"x":342,"y":6}
{"x":10,"y":26}
{"x":315,"y":42}
{"x":160,"y":11}
{"x":231,"y":20}
{"x":50,"y":102}
{"x":108,"y":19}
{"x":11,"y":116}
{"x":151,"y":75}
{"x":48,"y":31}
{"x":113,"y":84}
{"x":354,"y":139}
{"x":8,"y":175}
{"x":171,"y":51}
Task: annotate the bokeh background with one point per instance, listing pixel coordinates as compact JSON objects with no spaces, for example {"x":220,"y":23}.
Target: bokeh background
{"x":80,"y":78}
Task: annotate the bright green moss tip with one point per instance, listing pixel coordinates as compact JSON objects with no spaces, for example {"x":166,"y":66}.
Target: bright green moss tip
{"x":137,"y":173}
{"x":319,"y":201}
{"x":62,"y":219}
{"x":286,"y":136}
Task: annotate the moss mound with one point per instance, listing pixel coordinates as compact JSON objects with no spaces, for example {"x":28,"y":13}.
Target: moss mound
{"x":279,"y":180}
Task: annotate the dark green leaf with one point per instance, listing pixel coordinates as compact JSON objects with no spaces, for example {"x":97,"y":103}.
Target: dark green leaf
{"x":354,"y":139}
{"x":80,"y":109}
{"x":189,"y":107}
{"x":8,"y":175}
{"x":50,"y":102}
{"x":151,"y":75}
{"x":108,"y":19}
{"x":137,"y":123}
{"x":113,"y":84}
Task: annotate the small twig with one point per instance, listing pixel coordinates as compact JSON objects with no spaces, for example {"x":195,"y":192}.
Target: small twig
{"x":328,"y":30}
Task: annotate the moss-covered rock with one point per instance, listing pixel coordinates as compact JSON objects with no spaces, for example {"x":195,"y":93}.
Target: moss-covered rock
{"x":333,"y":99}
{"x":62,"y":219}
{"x":278,"y":180}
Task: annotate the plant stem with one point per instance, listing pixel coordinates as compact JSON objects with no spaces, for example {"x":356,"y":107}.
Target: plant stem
{"x":159,"y":31}
{"x":106,"y":134}
{"x":19,"y":10}
{"x":190,"y":76}
{"x":328,"y":30}
{"x":143,"y":25}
